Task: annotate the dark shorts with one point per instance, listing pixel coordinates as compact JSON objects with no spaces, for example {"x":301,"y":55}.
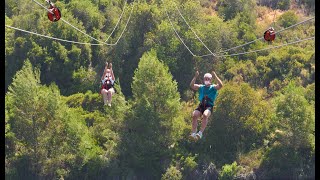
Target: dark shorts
{"x":202,"y":108}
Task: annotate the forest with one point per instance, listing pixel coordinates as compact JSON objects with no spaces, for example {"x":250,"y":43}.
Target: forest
{"x":263,"y":121}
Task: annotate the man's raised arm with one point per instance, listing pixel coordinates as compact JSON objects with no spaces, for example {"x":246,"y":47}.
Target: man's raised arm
{"x":193,"y":81}
{"x":220,"y":84}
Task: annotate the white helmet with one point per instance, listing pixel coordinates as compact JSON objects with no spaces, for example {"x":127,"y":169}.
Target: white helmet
{"x":208,"y":75}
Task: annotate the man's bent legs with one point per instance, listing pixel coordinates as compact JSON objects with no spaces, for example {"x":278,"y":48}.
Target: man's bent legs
{"x":206,"y":115}
{"x":195,"y":116}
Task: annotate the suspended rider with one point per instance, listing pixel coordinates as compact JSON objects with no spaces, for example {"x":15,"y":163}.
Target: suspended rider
{"x":107,"y":80}
{"x":207,"y":95}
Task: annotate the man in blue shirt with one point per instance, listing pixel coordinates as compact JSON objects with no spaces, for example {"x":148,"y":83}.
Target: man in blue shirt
{"x":207,"y":95}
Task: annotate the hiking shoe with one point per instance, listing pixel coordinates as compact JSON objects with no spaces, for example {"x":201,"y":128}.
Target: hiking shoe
{"x":199,"y":135}
{"x":193,"y":137}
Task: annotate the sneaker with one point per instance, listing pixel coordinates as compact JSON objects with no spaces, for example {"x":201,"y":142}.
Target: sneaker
{"x":193,"y":137}
{"x":199,"y":135}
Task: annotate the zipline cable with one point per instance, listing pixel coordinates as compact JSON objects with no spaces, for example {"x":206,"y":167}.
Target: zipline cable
{"x":117,"y":22}
{"x":125,"y":27}
{"x":103,"y":44}
{"x":257,"y":39}
{"x":92,"y":44}
{"x":109,"y":44}
{"x":177,"y":32}
{"x":239,"y":45}
{"x":262,"y":37}
{"x":193,"y":31}
{"x":64,"y":40}
{"x":83,"y":32}
{"x":213,"y":54}
{"x":301,"y":40}
{"x":69,"y":23}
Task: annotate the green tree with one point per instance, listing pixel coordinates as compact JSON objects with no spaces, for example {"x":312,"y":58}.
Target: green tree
{"x":291,"y":156}
{"x":91,"y":17}
{"x":295,"y":116}
{"x":11,"y":7}
{"x":8,"y":37}
{"x":244,"y":25}
{"x":49,"y":137}
{"x":241,"y":120}
{"x":127,"y":55}
{"x":284,"y":64}
{"x":9,"y":49}
{"x":244,"y":70}
{"x":104,"y":126}
{"x":84,"y":80}
{"x":155,"y":122}
{"x":172,"y":173}
{"x":288,"y":18}
{"x":230,"y":8}
{"x":310,"y":93}
{"x":229,"y":171}
{"x":283,"y":4}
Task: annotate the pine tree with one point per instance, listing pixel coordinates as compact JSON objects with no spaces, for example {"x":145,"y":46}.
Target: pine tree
{"x":48,"y":138}
{"x":155,"y":122}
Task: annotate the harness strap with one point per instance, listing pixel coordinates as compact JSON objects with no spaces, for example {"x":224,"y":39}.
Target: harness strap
{"x":205,"y":99}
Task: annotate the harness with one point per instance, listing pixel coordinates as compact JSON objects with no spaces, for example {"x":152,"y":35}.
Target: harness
{"x":205,"y":100}
{"x":107,"y":85}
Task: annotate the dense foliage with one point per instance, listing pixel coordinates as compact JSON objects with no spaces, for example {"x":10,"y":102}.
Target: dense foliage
{"x":56,"y":127}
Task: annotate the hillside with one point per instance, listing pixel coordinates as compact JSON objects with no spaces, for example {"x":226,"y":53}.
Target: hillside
{"x":61,"y":121}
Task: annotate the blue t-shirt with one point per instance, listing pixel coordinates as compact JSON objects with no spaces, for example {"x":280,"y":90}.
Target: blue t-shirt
{"x":211,"y":92}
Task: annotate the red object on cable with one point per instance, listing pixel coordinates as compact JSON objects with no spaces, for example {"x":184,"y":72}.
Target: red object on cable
{"x":269,"y":35}
{"x":56,"y":14}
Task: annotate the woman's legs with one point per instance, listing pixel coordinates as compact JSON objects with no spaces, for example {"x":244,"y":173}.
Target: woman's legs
{"x":110,"y":93}
{"x":104,"y":93}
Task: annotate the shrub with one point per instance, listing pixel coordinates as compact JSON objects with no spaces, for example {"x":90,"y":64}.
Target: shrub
{"x":288,"y":19}
{"x":172,"y":173}
{"x":229,"y":171}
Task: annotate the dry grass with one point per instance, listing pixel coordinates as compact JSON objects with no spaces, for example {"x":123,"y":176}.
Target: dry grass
{"x":251,"y":160}
{"x":266,"y":16}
